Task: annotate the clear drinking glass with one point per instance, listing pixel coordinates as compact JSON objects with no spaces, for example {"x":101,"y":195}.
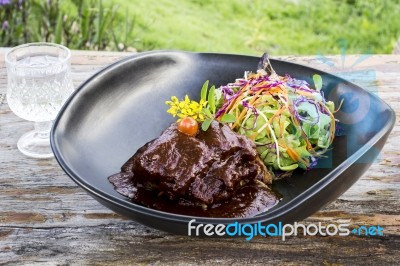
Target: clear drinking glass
{"x":39,"y":82}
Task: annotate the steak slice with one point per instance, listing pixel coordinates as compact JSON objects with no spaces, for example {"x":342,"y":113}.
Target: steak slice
{"x":205,"y":169}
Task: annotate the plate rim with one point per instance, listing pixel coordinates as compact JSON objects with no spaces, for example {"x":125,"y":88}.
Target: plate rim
{"x":262,"y":217}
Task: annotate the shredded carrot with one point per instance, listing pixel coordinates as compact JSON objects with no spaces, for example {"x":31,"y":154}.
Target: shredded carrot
{"x":282,"y":99}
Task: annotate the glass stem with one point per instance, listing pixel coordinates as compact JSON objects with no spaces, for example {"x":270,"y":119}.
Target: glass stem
{"x":43,"y":129}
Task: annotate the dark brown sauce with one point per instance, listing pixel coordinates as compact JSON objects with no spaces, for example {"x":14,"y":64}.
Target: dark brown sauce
{"x":217,"y":173}
{"x":250,"y":200}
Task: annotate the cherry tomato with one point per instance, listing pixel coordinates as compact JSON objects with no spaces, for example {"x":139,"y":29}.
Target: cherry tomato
{"x":188,"y":126}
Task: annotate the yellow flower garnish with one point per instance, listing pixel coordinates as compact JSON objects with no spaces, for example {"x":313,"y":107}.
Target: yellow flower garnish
{"x":186,"y":108}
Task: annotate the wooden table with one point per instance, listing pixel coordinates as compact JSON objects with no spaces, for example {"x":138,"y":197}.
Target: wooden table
{"x":45,"y":218}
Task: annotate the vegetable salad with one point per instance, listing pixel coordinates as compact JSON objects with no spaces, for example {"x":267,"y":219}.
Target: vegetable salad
{"x":290,"y":121}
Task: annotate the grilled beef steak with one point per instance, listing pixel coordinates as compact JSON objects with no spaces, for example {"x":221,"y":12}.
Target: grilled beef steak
{"x":206,"y":170}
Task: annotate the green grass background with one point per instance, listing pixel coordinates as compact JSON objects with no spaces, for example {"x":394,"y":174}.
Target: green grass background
{"x":254,"y":26}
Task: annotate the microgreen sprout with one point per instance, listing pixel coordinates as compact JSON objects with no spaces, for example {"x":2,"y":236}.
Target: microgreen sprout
{"x":291,"y":122}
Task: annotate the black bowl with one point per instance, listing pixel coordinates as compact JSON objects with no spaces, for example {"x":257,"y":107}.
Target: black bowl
{"x":122,"y":107}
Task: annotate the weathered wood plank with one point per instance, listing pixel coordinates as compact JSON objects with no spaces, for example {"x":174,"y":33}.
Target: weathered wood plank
{"x":106,"y":244}
{"x":46,"y":219}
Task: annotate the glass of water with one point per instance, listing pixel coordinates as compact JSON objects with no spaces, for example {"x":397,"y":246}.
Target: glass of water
{"x":39,"y":82}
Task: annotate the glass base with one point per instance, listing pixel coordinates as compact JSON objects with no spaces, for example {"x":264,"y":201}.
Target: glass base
{"x":32,"y":145}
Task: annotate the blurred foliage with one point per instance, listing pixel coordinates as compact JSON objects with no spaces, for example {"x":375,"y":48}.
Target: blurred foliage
{"x":13,"y":18}
{"x":87,"y":24}
{"x":279,"y":27}
{"x":230,"y":26}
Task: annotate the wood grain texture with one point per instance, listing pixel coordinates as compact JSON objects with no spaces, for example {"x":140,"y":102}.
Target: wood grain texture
{"x":46,"y":219}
